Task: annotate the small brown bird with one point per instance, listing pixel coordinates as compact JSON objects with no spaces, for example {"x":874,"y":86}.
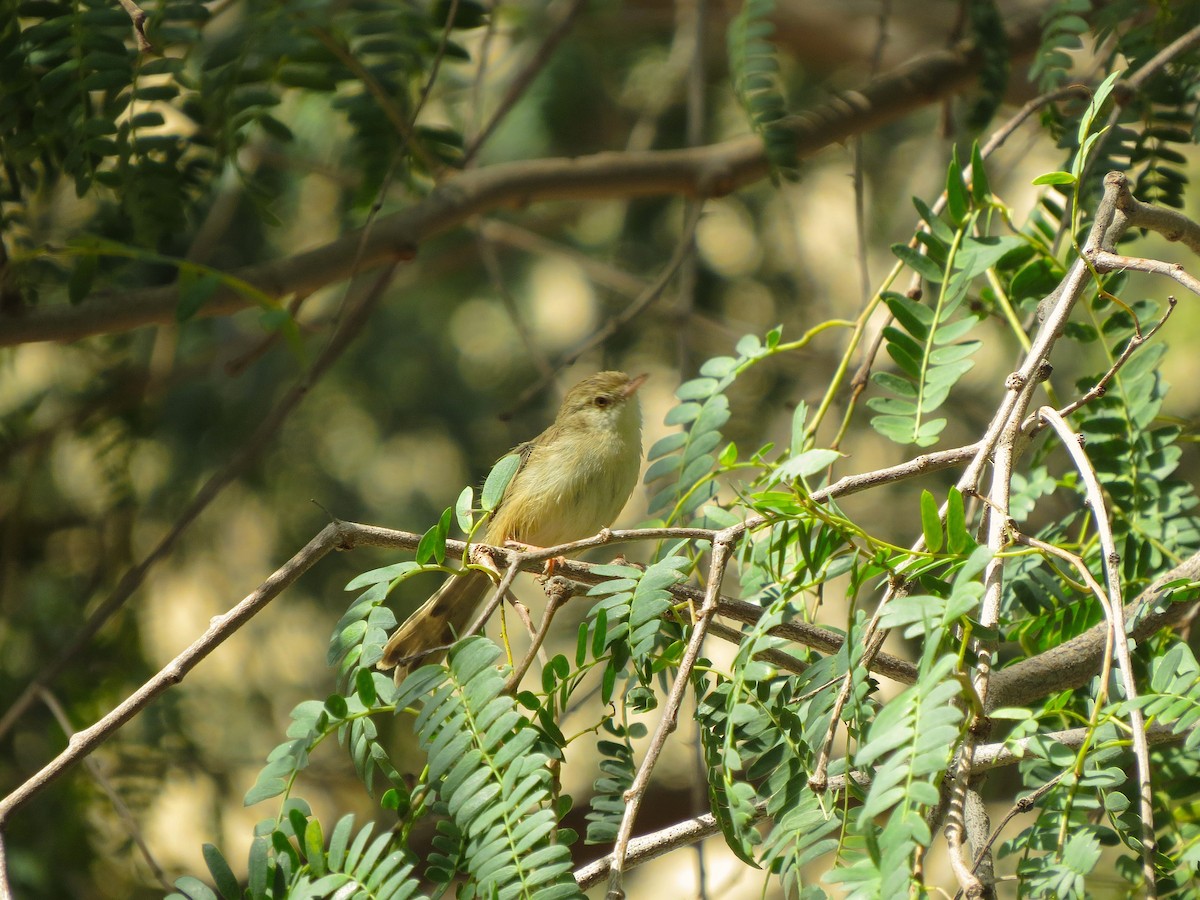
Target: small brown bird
{"x":573,"y":480}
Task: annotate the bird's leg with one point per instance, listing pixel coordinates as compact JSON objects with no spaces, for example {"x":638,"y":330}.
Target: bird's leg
{"x":551,"y":563}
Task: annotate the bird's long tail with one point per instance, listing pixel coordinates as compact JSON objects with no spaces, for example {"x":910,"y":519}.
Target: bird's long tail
{"x":429,"y":631}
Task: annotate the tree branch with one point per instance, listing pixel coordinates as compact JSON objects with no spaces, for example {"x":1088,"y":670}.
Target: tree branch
{"x":707,"y":171}
{"x":1073,"y":663}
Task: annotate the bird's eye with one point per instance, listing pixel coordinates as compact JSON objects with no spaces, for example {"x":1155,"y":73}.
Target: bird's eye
{"x":602,"y":401}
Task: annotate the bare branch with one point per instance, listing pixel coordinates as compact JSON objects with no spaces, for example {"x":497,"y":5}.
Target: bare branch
{"x":1104,"y":261}
{"x":1118,"y":640}
{"x":525,"y":77}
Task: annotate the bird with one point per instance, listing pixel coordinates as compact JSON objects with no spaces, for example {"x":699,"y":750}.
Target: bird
{"x":573,"y":480}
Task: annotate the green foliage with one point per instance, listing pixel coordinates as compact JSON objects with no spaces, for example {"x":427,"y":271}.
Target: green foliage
{"x":1135,"y":456}
{"x":684,"y":459}
{"x":1061,"y":847}
{"x":618,"y":768}
{"x":487,"y":764}
{"x":626,"y":622}
{"x":909,"y":743}
{"x":147,"y":137}
{"x":77,"y":102}
{"x":289,"y":859}
{"x":756,"y":82}
{"x":987,"y":26}
{"x":1174,"y":695}
{"x":925,"y":341}
{"x":1062,"y":27}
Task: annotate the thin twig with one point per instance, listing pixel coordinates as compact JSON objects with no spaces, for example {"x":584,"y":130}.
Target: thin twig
{"x":124,"y":813}
{"x":1032,"y":424}
{"x":556,"y":595}
{"x":221,"y":628}
{"x":811,"y":636}
{"x":918,"y":465}
{"x":1137,"y":722}
{"x":267,"y":428}
{"x":525,"y":77}
{"x":1105,"y":261}
{"x":722,"y":546}
{"x":652,"y":292}
{"x":138,"y":16}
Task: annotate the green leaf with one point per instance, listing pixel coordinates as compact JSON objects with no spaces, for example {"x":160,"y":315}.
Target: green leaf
{"x":222,"y":874}
{"x":432,"y":547}
{"x":1093,"y":109}
{"x":958,"y":538}
{"x":958,"y":201}
{"x":497,"y":481}
{"x":697,"y":389}
{"x":335,"y":705}
{"x":980,"y":190}
{"x":931,"y":524}
{"x":682,"y":414}
{"x":462,"y":510}
{"x":364,"y":687}
{"x":719,"y":367}
{"x":195,"y":289}
{"x":918,"y":262}
{"x":194,"y":889}
{"x":805,"y":464}
{"x":383,"y":575}
{"x":666,"y":445}
{"x":937,"y":225}
{"x":1055,"y":178}
{"x":467,"y":13}
{"x":314,"y":847}
{"x":749,"y":346}
{"x":79,"y":285}
{"x":259,"y":867}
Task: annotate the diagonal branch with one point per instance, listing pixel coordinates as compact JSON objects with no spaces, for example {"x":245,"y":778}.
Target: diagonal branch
{"x":722,"y":547}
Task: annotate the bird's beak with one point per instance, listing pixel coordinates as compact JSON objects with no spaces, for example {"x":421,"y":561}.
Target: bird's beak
{"x":634,"y":383}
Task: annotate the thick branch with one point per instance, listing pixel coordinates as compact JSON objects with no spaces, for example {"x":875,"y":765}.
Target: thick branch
{"x":1074,"y":662}
{"x":697,"y":172}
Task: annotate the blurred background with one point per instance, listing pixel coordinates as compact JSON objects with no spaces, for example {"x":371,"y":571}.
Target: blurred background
{"x":104,"y":441}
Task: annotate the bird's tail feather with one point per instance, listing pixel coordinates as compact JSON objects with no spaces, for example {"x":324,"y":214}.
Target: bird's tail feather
{"x":427,"y":633}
